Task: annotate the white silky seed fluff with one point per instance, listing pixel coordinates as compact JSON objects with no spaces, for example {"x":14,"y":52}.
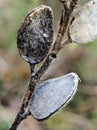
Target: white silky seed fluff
{"x":51,"y":95}
{"x":84,"y":28}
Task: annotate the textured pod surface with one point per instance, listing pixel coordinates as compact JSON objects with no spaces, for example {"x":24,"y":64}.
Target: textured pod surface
{"x":84,"y":27}
{"x":35,"y":34}
{"x":51,"y":95}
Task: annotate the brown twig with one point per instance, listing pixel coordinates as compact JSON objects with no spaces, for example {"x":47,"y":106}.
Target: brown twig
{"x":63,"y":27}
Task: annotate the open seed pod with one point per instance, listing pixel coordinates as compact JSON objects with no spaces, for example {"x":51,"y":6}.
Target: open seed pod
{"x":84,"y":28}
{"x":35,"y":35}
{"x":52,"y":95}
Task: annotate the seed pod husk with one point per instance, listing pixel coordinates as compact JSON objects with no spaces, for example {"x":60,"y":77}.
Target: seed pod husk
{"x":35,"y":35}
{"x":84,"y":28}
{"x":52,"y":95}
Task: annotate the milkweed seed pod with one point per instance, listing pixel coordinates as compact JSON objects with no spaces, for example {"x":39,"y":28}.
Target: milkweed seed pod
{"x":51,"y":95}
{"x":35,"y":35}
{"x":84,"y":27}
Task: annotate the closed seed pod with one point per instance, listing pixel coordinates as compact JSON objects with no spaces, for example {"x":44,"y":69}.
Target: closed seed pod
{"x":52,"y":95}
{"x":35,"y":35}
{"x":84,"y":28}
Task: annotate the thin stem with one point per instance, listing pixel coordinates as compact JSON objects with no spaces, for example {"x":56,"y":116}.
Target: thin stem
{"x":18,"y":120}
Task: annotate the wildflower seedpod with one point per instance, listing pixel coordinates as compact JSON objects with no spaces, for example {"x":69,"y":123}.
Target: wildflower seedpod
{"x":35,"y":35}
{"x":84,"y":28}
{"x":52,"y":95}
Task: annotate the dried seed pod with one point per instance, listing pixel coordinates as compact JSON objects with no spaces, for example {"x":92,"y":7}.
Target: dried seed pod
{"x":51,"y":95}
{"x":84,"y":27}
{"x":35,"y":35}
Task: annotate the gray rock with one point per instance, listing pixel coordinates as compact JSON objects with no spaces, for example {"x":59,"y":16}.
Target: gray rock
{"x":52,"y":95}
{"x":84,"y":27}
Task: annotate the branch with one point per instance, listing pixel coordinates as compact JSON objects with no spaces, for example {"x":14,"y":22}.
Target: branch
{"x":57,"y":46}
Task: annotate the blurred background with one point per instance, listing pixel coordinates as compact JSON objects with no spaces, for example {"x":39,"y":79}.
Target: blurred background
{"x":81,"y":112}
